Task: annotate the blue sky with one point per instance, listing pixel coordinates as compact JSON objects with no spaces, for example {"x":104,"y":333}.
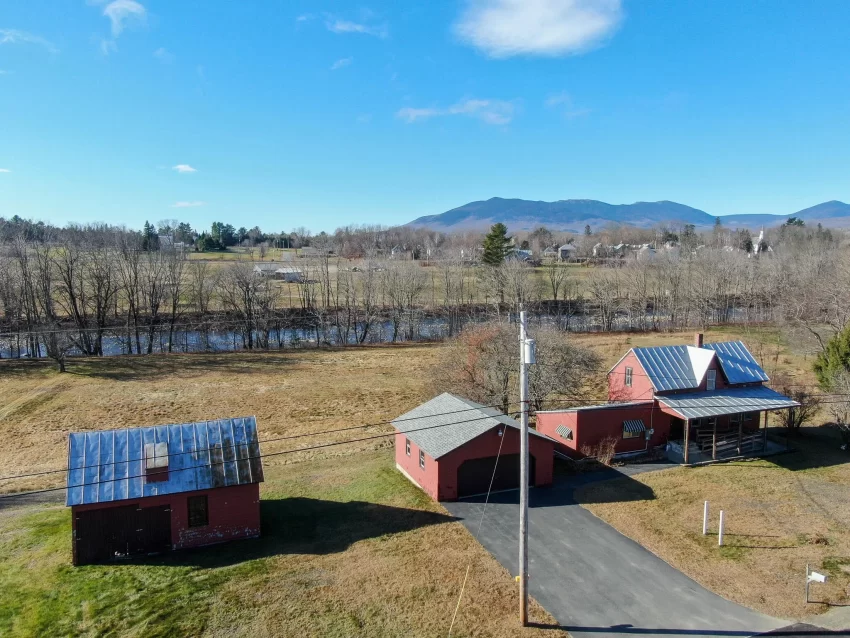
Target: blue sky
{"x":321,"y":114}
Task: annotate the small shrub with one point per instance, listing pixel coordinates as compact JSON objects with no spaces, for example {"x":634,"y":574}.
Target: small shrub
{"x":603,"y":451}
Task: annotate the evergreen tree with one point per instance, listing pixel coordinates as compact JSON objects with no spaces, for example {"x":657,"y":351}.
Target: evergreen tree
{"x":834,"y":360}
{"x":497,"y":245}
{"x":587,"y":230}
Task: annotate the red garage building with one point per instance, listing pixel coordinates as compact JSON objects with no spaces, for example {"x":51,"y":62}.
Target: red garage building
{"x":448,"y":447}
{"x":153,"y":489}
{"x":702,"y":402}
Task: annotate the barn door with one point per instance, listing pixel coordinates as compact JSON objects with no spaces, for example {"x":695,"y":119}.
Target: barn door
{"x":119,"y":532}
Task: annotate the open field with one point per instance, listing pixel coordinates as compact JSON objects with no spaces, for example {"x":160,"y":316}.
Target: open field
{"x":348,"y":549}
{"x":350,"y":564}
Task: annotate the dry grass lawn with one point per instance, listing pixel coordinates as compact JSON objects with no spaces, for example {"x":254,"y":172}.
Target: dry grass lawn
{"x":349,"y":547}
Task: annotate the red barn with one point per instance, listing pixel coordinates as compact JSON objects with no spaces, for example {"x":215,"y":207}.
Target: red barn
{"x":448,"y":447}
{"x":153,"y":489}
{"x":701,"y":402}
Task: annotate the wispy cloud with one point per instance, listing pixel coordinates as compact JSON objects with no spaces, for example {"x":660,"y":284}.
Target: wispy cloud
{"x":497,"y":112}
{"x":564,"y":103}
{"x":184,"y":168}
{"x":164,"y":55}
{"x":14,"y":36}
{"x":4,"y":72}
{"x":187,"y":204}
{"x":342,"y":63}
{"x":504,"y":28}
{"x":5,"y":170}
{"x":366,"y":27}
{"x":120,"y":12}
{"x":305,"y":17}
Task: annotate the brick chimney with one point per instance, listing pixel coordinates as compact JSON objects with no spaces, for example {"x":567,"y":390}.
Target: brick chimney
{"x":698,"y":340}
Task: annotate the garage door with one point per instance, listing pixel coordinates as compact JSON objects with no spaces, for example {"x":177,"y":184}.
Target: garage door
{"x":473,"y":476}
{"x":119,"y":532}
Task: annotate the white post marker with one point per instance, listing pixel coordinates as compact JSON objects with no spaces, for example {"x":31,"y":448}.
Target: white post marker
{"x":705,"y":519}
{"x":720,"y":531}
{"x":813,"y":577}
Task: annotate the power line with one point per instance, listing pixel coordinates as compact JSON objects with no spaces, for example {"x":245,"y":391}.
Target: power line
{"x":618,"y":403}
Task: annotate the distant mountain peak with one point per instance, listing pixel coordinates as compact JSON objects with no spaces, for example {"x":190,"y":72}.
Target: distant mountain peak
{"x":572,"y":215}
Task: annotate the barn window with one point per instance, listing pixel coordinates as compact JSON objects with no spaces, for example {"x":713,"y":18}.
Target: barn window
{"x":748,"y":416}
{"x":711,"y":380}
{"x":633,"y":429}
{"x":565,"y":432}
{"x":628,"y":377}
{"x":198,"y":514}
{"x":407,"y":447}
{"x":422,"y":459}
{"x":156,"y":462}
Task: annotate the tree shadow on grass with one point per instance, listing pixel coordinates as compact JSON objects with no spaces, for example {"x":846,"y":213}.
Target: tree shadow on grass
{"x":810,"y":448}
{"x":306,"y":526}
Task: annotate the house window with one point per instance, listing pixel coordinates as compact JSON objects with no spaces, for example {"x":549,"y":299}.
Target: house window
{"x":711,"y":380}
{"x":198,"y":514}
{"x":422,"y":459}
{"x":628,"y":377}
{"x":407,"y":447}
{"x":735,"y":419}
{"x":748,"y":416}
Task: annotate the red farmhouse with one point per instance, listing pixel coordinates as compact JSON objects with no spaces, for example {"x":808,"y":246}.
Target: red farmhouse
{"x":147,"y":490}
{"x":448,"y":447}
{"x":700,"y":402}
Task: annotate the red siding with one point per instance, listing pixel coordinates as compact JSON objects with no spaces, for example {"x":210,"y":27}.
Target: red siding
{"x":233,"y":512}
{"x":439,"y":478}
{"x":590,"y":426}
{"x":641,"y":388}
{"x":427,"y":479}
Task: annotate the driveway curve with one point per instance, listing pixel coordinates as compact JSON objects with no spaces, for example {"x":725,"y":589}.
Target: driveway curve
{"x":595,"y":581}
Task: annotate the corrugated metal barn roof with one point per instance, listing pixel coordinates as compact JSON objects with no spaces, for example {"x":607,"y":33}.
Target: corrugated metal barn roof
{"x":447,"y":421}
{"x":109,"y":465}
{"x":738,"y":364}
{"x":694,"y":405}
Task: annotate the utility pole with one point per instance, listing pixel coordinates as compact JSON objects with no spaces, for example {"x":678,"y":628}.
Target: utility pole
{"x":526,"y":358}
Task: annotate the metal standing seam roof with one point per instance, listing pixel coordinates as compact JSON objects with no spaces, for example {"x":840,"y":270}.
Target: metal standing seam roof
{"x":634,"y":425}
{"x":694,"y":405}
{"x":448,"y":421}
{"x":738,"y":364}
{"x":668,"y":367}
{"x":109,"y":465}
{"x":682,"y":367}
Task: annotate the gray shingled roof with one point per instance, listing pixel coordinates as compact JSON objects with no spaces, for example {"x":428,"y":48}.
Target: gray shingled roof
{"x":448,"y":421}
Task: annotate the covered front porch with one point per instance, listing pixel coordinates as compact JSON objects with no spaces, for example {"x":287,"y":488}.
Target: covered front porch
{"x":721,"y":424}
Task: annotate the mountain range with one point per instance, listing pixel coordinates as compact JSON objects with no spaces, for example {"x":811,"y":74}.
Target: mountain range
{"x":572,"y":215}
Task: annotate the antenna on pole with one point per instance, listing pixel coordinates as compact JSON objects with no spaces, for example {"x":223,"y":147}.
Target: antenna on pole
{"x":526,"y":358}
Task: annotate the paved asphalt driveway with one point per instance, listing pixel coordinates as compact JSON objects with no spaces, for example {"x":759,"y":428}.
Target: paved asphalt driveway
{"x":595,"y":581}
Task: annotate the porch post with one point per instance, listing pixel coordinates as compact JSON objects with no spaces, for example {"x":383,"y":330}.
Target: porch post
{"x":714,"y":441}
{"x":687,"y":438}
{"x":764,"y":436}
{"x":741,"y":432}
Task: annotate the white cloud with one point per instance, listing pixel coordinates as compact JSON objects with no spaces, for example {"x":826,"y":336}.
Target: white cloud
{"x":184,"y":168}
{"x":504,"y":28}
{"x":497,"y":112}
{"x":164,"y":55}
{"x":108,"y":46}
{"x":564,"y":102}
{"x":5,"y":170}
{"x":337,"y":25}
{"x":187,"y":204}
{"x":304,"y":17}
{"x":121,"y":11}
{"x":14,"y":36}
{"x":339,"y":64}
{"x":3,"y":72}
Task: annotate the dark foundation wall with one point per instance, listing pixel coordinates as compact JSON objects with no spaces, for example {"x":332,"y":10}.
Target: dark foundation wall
{"x":233,"y":513}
